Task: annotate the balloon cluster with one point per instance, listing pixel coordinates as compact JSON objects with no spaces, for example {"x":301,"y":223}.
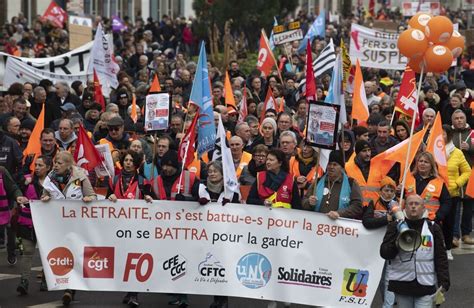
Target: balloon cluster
{"x":430,"y":43}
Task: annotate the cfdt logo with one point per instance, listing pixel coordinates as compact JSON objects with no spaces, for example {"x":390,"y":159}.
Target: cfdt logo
{"x":61,"y":261}
{"x":98,"y":262}
{"x":176,"y":266}
{"x":254,"y":270}
{"x":355,"y":283}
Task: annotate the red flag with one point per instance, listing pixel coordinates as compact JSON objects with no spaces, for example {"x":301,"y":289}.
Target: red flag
{"x":265,"y":60}
{"x":86,"y":155}
{"x":187,"y":146}
{"x":243,"y":112}
{"x":55,"y":14}
{"x":310,"y":80}
{"x":406,"y":100}
{"x":98,"y":96}
{"x":155,"y":85}
{"x":269,"y":103}
{"x":372,"y":7}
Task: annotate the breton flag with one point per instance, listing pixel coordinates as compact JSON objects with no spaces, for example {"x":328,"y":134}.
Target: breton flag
{"x":222,"y":152}
{"x":86,"y":155}
{"x":323,"y":63}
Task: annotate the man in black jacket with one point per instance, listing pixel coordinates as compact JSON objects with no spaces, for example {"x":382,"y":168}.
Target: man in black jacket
{"x":416,"y":276}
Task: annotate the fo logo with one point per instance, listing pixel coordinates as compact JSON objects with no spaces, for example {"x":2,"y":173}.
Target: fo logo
{"x":254,"y":270}
{"x":98,"y":262}
{"x":355,"y":282}
{"x":61,"y":261}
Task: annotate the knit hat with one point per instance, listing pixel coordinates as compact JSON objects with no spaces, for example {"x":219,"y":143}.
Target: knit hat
{"x":336,"y":157}
{"x":361,"y":145}
{"x":170,"y":159}
{"x":387,"y":181}
{"x":28,"y":123}
{"x":272,"y":123}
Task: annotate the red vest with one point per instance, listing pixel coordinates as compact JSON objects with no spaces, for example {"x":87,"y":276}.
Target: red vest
{"x":187,"y":181}
{"x":283,"y":195}
{"x":132,"y":192}
{"x":4,"y":210}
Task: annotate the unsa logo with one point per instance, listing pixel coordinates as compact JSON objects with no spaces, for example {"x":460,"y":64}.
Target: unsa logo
{"x":254,"y":270}
{"x":61,"y":261}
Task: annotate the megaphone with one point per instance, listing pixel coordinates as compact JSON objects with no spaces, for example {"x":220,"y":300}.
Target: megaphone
{"x":408,"y":239}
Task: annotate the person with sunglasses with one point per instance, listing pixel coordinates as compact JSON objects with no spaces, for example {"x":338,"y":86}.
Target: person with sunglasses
{"x":118,"y":140}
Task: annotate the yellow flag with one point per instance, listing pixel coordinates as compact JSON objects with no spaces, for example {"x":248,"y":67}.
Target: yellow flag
{"x":346,"y":64}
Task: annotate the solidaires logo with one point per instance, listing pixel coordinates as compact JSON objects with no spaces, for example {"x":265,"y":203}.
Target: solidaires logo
{"x":355,"y":282}
{"x":254,"y":270}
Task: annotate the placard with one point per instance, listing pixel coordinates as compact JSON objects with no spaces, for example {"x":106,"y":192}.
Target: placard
{"x":323,"y":119}
{"x":157,"y":111}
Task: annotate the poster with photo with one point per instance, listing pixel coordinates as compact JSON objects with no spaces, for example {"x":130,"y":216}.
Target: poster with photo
{"x":322,"y":125}
{"x":157,"y":111}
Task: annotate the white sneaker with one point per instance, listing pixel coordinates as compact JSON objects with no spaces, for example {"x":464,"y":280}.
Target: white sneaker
{"x":450,"y":255}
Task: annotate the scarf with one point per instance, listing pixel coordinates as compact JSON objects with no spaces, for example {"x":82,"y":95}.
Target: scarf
{"x":274,"y":181}
{"x":215,"y":187}
{"x":126,"y":178}
{"x":306,"y":161}
{"x":253,"y":169}
{"x":344,"y":197}
{"x":449,"y":148}
{"x":60,"y":180}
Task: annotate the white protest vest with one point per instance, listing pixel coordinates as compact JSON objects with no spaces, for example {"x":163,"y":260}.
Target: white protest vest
{"x":73,"y":191}
{"x":420,"y":267}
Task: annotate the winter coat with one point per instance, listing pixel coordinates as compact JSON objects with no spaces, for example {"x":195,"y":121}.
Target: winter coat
{"x":458,"y":172}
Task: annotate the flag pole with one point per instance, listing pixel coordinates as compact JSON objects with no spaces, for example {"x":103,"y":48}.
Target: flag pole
{"x":393,"y":116}
{"x":316,"y":173}
{"x":106,"y":169}
{"x":407,"y":167}
{"x":155,"y":144}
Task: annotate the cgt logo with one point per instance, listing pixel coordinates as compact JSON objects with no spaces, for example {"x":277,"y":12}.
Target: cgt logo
{"x":61,"y":261}
{"x":355,"y":282}
{"x":98,"y":262}
{"x":254,"y":270}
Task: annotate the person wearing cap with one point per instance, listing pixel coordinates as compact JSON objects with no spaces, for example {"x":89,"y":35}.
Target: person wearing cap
{"x":87,"y":103}
{"x":416,"y":276}
{"x":117,"y":139}
{"x":26,"y":128}
{"x":123,"y":101}
{"x":366,"y":175}
{"x":467,"y":95}
{"x":335,"y":193}
{"x":92,"y":116}
{"x":378,"y":214}
{"x":173,"y":183}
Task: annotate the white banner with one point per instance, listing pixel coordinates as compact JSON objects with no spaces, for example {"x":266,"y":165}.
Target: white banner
{"x":375,"y":48}
{"x":74,"y":62}
{"x":233,"y":250}
{"x":17,"y":71}
{"x":287,"y":36}
{"x":411,"y":8}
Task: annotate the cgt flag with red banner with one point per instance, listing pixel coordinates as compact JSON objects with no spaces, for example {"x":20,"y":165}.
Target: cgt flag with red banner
{"x":406,"y":100}
{"x":86,"y":155}
{"x":187,"y":145}
{"x":55,"y":14}
{"x":265,"y":60}
{"x":98,"y":95}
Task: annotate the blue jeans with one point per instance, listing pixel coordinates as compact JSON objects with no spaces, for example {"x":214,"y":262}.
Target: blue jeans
{"x":405,"y":301}
{"x":463,"y":223}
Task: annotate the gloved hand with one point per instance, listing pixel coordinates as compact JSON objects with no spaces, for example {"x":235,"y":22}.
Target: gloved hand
{"x":203,"y":201}
{"x":179,"y":197}
{"x":225,"y":201}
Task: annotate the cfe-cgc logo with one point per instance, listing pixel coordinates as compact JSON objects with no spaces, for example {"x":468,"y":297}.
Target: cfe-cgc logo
{"x":321,"y":278}
{"x":98,"y":262}
{"x":211,"y":270}
{"x":354,"y":286}
{"x":254,"y":270}
{"x":176,"y":266}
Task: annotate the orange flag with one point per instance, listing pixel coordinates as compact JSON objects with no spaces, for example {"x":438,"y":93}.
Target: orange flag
{"x":133,"y":114}
{"x":34,"y":145}
{"x":436,"y":146}
{"x":265,"y":60}
{"x":360,"y":109}
{"x":229,"y":95}
{"x":155,"y":85}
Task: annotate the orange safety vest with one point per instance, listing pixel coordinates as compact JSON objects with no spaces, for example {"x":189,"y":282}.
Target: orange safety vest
{"x":244,"y":161}
{"x":430,"y":194}
{"x":295,"y":170}
{"x":187,"y":181}
{"x":280,"y":198}
{"x":370,"y":188}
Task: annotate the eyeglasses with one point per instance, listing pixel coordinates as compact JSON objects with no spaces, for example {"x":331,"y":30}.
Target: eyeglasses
{"x":260,"y":156}
{"x":114,"y":128}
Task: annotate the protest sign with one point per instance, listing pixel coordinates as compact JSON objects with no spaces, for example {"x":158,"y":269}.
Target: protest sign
{"x":71,"y":63}
{"x":322,"y":125}
{"x":375,"y":48}
{"x":17,"y":71}
{"x":282,"y":34}
{"x":80,"y":31}
{"x":157,"y":111}
{"x":106,"y":169}
{"x":233,"y":250}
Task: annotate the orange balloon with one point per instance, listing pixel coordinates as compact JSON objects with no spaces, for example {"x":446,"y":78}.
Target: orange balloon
{"x":416,"y":64}
{"x":456,"y":44}
{"x":419,"y":21}
{"x":412,"y":43}
{"x":437,"y":59}
{"x":439,"y":29}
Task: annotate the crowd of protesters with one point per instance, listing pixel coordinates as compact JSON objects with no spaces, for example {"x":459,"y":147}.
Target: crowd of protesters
{"x":274,"y":163}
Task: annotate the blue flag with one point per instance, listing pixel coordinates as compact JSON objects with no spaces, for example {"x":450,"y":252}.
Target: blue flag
{"x":335,"y":93}
{"x":272,"y":44}
{"x":318,"y":28}
{"x":201,"y":97}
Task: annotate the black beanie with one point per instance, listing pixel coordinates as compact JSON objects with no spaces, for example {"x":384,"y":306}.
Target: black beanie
{"x":361,"y":145}
{"x":170,"y":159}
{"x":336,"y":157}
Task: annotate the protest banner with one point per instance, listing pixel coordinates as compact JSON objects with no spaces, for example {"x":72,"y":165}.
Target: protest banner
{"x":375,"y":48}
{"x":80,"y":31}
{"x":157,"y":111}
{"x":233,"y":250}
{"x":411,"y":8}
{"x":18,"y":71}
{"x":71,"y":63}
